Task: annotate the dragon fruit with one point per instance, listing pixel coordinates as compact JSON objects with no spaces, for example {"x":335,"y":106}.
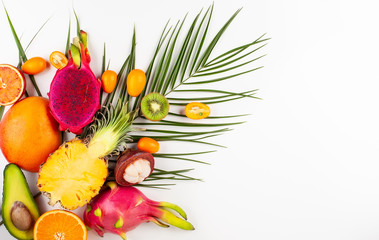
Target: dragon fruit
{"x":121,"y":209}
{"x":75,"y":91}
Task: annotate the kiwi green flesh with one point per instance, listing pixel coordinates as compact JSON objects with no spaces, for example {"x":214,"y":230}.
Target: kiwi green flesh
{"x":155,"y":106}
{"x":19,"y":209}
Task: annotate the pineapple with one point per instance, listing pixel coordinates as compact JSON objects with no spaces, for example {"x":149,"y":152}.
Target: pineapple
{"x":76,"y":171}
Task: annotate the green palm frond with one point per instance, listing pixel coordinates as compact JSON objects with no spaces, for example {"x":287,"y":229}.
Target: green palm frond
{"x":190,"y":63}
{"x":22,"y":56}
{"x":102,"y":71}
{"x":68,"y":41}
{"x":1,"y":111}
{"x":21,"y":49}
{"x":183,"y":64}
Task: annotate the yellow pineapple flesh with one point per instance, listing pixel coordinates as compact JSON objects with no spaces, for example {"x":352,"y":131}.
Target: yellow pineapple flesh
{"x":72,"y":175}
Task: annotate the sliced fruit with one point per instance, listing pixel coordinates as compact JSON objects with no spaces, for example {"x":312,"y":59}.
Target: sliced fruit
{"x":147,"y":144}
{"x":12,"y":84}
{"x":108,"y":81}
{"x":60,"y":225}
{"x":74,"y":95}
{"x":72,"y":175}
{"x":155,"y":106}
{"x":34,"y":66}
{"x":58,"y":60}
{"x":133,"y":166}
{"x":196,"y":110}
{"x":135,"y":82}
{"x":19,"y":209}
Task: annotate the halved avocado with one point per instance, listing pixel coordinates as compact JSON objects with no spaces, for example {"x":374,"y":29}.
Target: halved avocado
{"x":19,"y":209}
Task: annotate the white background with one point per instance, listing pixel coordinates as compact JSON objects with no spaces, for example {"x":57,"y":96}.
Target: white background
{"x":305,"y":165}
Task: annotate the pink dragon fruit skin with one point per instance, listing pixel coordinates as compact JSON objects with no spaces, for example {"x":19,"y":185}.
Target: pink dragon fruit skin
{"x":121,"y":209}
{"x":74,"y":94}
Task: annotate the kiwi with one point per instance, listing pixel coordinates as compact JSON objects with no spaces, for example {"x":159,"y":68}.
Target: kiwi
{"x":154,"y":106}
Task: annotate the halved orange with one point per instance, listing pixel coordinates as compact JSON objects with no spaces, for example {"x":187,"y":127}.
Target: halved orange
{"x":12,"y":84}
{"x":59,"y":225}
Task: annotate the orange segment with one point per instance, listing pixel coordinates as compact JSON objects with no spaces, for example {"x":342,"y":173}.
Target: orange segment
{"x":12,"y":84}
{"x":59,"y":225}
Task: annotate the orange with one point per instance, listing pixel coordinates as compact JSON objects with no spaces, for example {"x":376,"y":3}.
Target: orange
{"x":59,"y":225}
{"x":12,"y":84}
{"x":29,"y":133}
{"x":58,"y":60}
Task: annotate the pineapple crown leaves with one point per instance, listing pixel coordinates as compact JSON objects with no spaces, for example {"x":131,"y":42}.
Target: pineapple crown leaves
{"x":109,"y":131}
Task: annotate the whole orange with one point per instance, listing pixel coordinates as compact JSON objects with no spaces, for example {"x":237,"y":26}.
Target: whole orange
{"x":29,"y":133}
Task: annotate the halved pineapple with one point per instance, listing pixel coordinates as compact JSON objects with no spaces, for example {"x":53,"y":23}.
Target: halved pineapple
{"x":72,"y":175}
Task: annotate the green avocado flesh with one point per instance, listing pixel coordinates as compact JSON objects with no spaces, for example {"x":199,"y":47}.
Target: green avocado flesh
{"x":19,"y":209}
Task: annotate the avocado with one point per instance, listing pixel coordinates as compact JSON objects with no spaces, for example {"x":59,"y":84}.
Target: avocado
{"x":19,"y":210}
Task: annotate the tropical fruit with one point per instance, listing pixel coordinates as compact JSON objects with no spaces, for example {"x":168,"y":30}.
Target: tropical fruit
{"x":147,"y":144}
{"x":12,"y":84}
{"x":121,"y":209}
{"x":155,"y":106}
{"x":77,"y":170}
{"x":75,"y":91}
{"x":58,"y":60}
{"x":109,"y":81}
{"x":133,"y":166}
{"x":196,"y":110}
{"x":72,"y":175}
{"x":59,"y":225}
{"x":29,"y":133}
{"x":135,"y":82}
{"x":34,"y":66}
{"x":19,"y":209}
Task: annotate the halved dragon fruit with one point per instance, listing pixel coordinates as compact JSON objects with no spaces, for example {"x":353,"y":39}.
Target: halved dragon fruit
{"x":75,"y":90}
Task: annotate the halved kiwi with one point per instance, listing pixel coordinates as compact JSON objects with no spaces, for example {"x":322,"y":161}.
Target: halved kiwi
{"x":154,"y":106}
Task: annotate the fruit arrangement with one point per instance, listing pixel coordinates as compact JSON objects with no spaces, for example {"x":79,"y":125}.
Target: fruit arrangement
{"x":119,"y":120}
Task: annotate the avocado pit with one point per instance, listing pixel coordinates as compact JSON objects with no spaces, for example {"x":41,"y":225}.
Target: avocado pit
{"x":21,"y":217}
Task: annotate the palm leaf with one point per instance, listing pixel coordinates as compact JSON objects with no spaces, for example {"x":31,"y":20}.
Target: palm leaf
{"x":210,"y":117}
{"x":184,"y":57}
{"x":21,"y":51}
{"x":102,"y":71}
{"x":193,"y":65}
{"x":68,"y":41}
{"x":35,"y":35}
{"x":1,"y":111}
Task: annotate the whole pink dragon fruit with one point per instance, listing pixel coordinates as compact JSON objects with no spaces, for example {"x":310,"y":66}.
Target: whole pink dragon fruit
{"x":121,"y":209}
{"x":75,"y":91}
